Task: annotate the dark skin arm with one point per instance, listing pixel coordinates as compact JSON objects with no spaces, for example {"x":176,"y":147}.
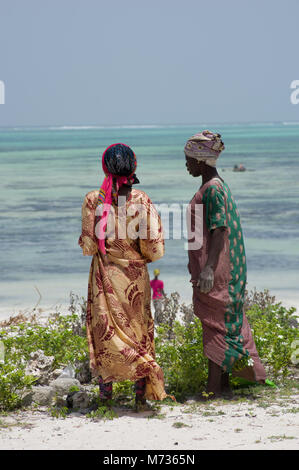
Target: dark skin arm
{"x":206,"y":278}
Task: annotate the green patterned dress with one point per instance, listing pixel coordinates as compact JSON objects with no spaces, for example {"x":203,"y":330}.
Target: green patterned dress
{"x":226,"y":333}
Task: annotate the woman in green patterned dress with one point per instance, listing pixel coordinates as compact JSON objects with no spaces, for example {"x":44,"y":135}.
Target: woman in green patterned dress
{"x":218,"y":270}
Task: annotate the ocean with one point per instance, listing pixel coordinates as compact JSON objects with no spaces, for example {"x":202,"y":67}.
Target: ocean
{"x":46,"y":172}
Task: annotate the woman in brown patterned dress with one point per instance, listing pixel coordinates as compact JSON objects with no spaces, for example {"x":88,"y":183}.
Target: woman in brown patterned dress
{"x":120,"y":327}
{"x":218,"y":272}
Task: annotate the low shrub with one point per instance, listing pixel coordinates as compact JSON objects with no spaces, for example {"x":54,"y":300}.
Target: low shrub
{"x":22,"y":335}
{"x":178,"y":340}
{"x":13,"y":385}
{"x":274,"y":330}
{"x":181,"y":357}
{"x":179,"y":344}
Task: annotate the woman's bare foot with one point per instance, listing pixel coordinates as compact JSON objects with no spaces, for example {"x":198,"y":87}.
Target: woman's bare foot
{"x":141,"y":404}
{"x":226,"y":391}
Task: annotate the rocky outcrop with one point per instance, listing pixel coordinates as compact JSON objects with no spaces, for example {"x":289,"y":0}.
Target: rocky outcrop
{"x":80,"y":401}
{"x":40,"y":394}
{"x":41,"y":367}
{"x":45,"y":395}
{"x":54,"y":385}
{"x":61,"y":386}
{"x":83,"y":373}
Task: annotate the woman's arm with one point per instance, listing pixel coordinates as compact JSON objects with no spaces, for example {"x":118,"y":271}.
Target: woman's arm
{"x":206,"y":278}
{"x":87,"y":239}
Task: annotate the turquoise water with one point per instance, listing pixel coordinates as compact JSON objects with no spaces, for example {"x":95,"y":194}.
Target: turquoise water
{"x":46,"y":172}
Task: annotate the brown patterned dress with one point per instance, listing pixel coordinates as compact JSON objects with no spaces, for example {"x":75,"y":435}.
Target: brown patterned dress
{"x":120,"y":327}
{"x":227,"y":336}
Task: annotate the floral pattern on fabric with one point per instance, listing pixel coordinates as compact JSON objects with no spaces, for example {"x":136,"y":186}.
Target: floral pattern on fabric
{"x":226,"y":333}
{"x":214,"y":201}
{"x":120,"y":327}
{"x":221,"y":211}
{"x":237,"y":284}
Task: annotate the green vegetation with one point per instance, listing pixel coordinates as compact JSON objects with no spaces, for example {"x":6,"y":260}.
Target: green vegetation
{"x":13,"y":384}
{"x":59,"y":411}
{"x":179,"y":349}
{"x":180,"y":352}
{"x":280,"y":438}
{"x":102,"y":412}
{"x":181,"y":357}
{"x":179,"y":424}
{"x":59,"y":336}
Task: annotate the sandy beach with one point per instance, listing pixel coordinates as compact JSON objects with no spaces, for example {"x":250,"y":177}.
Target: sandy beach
{"x":287,"y":299}
{"x":220,"y":425}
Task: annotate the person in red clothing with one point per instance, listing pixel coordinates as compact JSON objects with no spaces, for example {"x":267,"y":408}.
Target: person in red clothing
{"x":158,"y":294}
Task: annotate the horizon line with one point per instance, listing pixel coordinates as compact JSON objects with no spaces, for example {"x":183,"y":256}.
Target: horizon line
{"x":140,"y":126}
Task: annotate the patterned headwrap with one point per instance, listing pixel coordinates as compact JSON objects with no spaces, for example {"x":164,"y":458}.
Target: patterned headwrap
{"x":119,"y":165}
{"x":204,"y":146}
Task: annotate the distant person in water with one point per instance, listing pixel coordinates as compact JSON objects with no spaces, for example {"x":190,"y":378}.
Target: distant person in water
{"x":158,"y":293}
{"x":218,"y":271}
{"x":239,"y":168}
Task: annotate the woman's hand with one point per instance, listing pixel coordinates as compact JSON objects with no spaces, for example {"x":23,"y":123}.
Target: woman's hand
{"x":206,"y":279}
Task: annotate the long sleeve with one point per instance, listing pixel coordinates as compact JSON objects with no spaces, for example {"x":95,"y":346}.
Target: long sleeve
{"x":152,"y":247}
{"x":87,"y":239}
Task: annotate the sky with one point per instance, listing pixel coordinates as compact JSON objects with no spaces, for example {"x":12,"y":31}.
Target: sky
{"x":118,"y":62}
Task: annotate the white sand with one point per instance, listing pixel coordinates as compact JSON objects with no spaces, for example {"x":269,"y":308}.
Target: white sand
{"x":217,"y":426}
{"x":43,"y":311}
{"x":11,"y":311}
